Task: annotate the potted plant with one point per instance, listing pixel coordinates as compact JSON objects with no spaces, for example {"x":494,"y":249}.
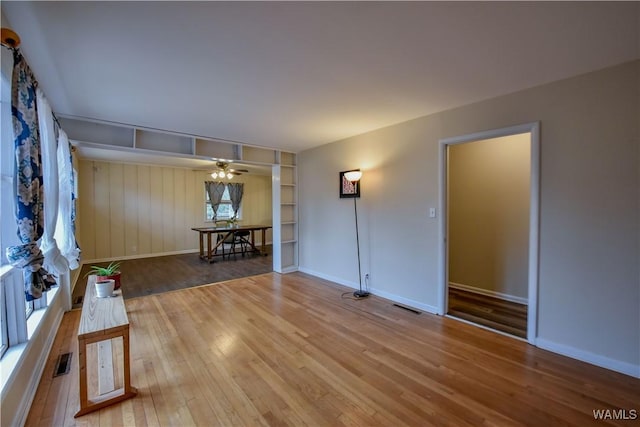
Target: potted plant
{"x":112,"y":271}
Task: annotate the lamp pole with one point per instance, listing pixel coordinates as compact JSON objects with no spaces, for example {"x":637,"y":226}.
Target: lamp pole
{"x":359,"y":293}
{"x":354,"y":177}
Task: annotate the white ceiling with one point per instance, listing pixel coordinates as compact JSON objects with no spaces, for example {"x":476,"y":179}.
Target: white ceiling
{"x":294,"y":75}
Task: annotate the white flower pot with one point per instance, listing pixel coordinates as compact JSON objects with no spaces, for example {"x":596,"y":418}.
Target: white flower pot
{"x":104,"y":288}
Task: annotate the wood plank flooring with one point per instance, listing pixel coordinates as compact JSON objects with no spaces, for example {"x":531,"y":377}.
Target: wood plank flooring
{"x":495,"y":313}
{"x":288,"y":350}
{"x":147,"y":276}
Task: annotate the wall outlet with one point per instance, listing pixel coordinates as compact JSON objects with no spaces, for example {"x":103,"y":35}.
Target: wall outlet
{"x":432,"y":212}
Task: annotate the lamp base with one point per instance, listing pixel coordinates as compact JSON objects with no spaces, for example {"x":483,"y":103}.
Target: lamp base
{"x":361,"y":294}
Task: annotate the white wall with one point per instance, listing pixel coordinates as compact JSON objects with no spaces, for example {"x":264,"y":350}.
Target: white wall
{"x":131,"y":210}
{"x":489,"y":214}
{"x":589,"y":291}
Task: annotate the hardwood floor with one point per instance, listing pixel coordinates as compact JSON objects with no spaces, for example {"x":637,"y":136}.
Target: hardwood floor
{"x":288,"y":350}
{"x":495,"y":313}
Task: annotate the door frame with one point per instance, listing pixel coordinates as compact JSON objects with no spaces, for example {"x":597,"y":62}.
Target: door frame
{"x":533,"y":129}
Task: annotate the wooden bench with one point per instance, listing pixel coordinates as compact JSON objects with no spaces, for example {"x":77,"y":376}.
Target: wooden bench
{"x":102,"y":320}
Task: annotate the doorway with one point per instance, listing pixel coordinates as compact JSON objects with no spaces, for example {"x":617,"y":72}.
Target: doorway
{"x":489,"y":229}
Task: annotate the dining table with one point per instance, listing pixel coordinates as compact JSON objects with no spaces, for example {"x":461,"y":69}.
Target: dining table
{"x":226,"y":232}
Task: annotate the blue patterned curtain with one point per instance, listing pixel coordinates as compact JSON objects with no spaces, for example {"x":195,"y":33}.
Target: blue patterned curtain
{"x":215,"y":190}
{"x":28,"y":182}
{"x":236,"y":189}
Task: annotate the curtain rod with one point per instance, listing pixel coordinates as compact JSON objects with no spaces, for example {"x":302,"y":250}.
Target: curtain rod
{"x":9,"y":38}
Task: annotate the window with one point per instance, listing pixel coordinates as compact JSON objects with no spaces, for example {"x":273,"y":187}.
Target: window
{"x":8,"y":235}
{"x":4,"y":333}
{"x":225,"y":211}
{"x":28,"y":308}
{"x":14,"y":310}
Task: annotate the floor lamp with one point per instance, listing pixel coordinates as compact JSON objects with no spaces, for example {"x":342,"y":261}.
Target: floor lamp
{"x":354,"y":178}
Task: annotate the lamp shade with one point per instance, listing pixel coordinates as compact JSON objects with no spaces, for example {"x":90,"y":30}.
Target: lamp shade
{"x":353,"y":176}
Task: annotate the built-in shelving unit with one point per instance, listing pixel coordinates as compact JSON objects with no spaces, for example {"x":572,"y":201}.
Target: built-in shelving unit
{"x":139,"y":140}
{"x":285,"y":200}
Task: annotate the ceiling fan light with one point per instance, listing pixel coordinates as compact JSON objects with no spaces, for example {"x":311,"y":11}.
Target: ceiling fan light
{"x":229,"y":175}
{"x":214,"y":175}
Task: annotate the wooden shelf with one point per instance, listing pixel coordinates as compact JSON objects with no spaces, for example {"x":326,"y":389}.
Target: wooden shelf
{"x":287,"y":159}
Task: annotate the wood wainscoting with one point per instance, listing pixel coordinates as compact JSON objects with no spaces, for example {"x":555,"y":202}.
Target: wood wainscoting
{"x":288,"y":350}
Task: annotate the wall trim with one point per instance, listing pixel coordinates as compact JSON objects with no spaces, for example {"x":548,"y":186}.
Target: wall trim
{"x":533,"y":128}
{"x":20,"y":416}
{"x":591,"y":358}
{"x":495,"y":294}
{"x":564,"y":350}
{"x":392,"y":297}
{"x":137,"y":256}
{"x":432,"y":309}
{"x":330,"y":278}
{"x":291,"y":269}
{"x":152,"y":255}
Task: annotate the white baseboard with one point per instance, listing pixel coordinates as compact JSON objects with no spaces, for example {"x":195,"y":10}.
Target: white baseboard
{"x":405,"y":301}
{"x":36,"y":374}
{"x":137,"y":256}
{"x":592,"y":358}
{"x":291,"y":269}
{"x":337,"y":280}
{"x":489,"y":293}
{"x":395,"y":298}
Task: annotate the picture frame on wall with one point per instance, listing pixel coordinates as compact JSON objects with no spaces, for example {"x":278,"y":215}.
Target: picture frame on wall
{"x":348,"y":189}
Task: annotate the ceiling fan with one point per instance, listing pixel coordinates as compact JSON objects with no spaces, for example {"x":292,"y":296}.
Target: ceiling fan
{"x":224,"y":171}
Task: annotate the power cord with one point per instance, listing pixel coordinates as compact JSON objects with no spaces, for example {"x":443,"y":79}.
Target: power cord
{"x":356,"y":298}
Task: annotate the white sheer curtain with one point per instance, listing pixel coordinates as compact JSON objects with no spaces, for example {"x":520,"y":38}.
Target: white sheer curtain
{"x":54,"y":261}
{"x":64,"y":233}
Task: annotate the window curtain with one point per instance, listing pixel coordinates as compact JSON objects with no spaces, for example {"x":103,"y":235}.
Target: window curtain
{"x":215,"y":191}
{"x":28,"y":182}
{"x":65,"y":227}
{"x":53,"y":259}
{"x":236,"y":190}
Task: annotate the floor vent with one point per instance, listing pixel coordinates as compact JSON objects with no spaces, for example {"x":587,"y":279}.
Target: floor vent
{"x":407,"y":308}
{"x":63,"y":364}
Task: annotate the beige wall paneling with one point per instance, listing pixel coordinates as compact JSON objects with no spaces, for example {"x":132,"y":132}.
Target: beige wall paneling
{"x":85,"y":208}
{"x":155,"y":209}
{"x":168,"y":210}
{"x":116,"y":208}
{"x":130,"y":209}
{"x":102,"y":210}
{"x":179,"y":203}
{"x":143,"y":199}
{"x":489,"y":214}
{"x":147,"y":210}
{"x":194,"y":193}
